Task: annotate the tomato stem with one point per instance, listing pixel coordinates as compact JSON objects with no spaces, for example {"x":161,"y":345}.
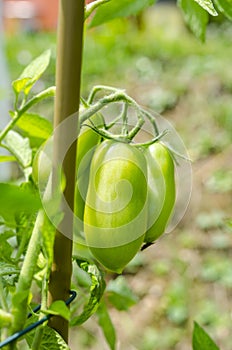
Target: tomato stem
{"x":3,"y":301}
{"x":150,"y":142}
{"x":18,"y":114}
{"x":20,"y":298}
{"x":124,"y":118}
{"x":118,"y":95}
{"x":39,"y":331}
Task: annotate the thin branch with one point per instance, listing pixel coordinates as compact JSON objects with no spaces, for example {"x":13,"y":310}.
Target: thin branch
{"x":50,"y":92}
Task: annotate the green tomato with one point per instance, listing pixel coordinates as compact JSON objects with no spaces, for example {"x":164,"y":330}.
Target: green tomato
{"x":42,"y":170}
{"x":42,"y":167}
{"x":87,"y":142}
{"x":161,"y":190}
{"x":115,"y":215}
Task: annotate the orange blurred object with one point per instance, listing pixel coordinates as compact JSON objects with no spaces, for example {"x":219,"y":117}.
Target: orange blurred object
{"x":30,"y":15}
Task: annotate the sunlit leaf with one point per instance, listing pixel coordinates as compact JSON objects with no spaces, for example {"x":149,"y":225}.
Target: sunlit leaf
{"x":59,"y":307}
{"x":20,"y":84}
{"x":35,"y":126}
{"x":32,"y":73}
{"x":19,"y":147}
{"x":208,"y":6}
{"x":115,"y":9}
{"x":225,"y":7}
{"x":195,"y":17}
{"x":95,"y":293}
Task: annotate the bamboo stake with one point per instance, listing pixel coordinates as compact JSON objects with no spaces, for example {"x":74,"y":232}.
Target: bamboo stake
{"x":68,"y":76}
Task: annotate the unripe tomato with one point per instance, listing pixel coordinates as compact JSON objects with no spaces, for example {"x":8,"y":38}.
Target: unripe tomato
{"x":161,"y":190}
{"x":87,"y":142}
{"x":42,"y":170}
{"x":115,"y":216}
{"x":41,"y":167}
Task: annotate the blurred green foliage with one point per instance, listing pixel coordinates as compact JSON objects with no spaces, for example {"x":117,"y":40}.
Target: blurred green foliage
{"x":187,"y":275}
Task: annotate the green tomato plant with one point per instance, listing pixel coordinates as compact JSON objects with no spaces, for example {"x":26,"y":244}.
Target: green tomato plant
{"x":122,"y":192}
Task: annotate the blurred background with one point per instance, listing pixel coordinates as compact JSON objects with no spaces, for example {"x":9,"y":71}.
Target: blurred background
{"x":186,"y":275}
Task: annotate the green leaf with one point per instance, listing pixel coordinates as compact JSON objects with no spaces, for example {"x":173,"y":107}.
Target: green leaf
{"x":9,"y":272}
{"x":4,"y":159}
{"x":50,"y":340}
{"x":20,"y":84}
{"x":120,"y":295}
{"x":59,"y":308}
{"x":19,"y":147}
{"x":32,"y":73}
{"x":208,"y":6}
{"x":8,"y":268}
{"x":195,"y":17}
{"x":24,"y":225}
{"x":15,"y":199}
{"x":6,"y":249}
{"x":201,"y":340}
{"x":35,"y":126}
{"x":96,"y":291}
{"x":106,"y":325}
{"x":225,"y":7}
{"x":115,"y":9}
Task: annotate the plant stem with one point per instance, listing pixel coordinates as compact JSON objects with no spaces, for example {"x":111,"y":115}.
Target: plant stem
{"x":35,"y":99}
{"x":115,"y":97}
{"x":3,"y":301}
{"x":98,"y":88}
{"x":39,"y":331}
{"x":124,"y":116}
{"x":22,"y":244}
{"x":20,"y":298}
{"x":68,"y":76}
{"x":49,"y":92}
{"x":137,"y":127}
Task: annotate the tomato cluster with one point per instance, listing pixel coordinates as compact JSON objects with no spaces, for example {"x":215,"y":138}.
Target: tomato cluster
{"x":125,"y":195}
{"x":125,"y":192}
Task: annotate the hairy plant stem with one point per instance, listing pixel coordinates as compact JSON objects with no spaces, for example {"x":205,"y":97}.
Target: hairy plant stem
{"x":39,"y":331}
{"x":114,"y":97}
{"x":20,"y":298}
{"x":117,"y":96}
{"x":18,"y":113}
{"x":3,"y":301}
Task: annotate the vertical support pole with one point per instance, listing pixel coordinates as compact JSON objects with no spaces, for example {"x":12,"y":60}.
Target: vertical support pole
{"x":68,"y":77}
